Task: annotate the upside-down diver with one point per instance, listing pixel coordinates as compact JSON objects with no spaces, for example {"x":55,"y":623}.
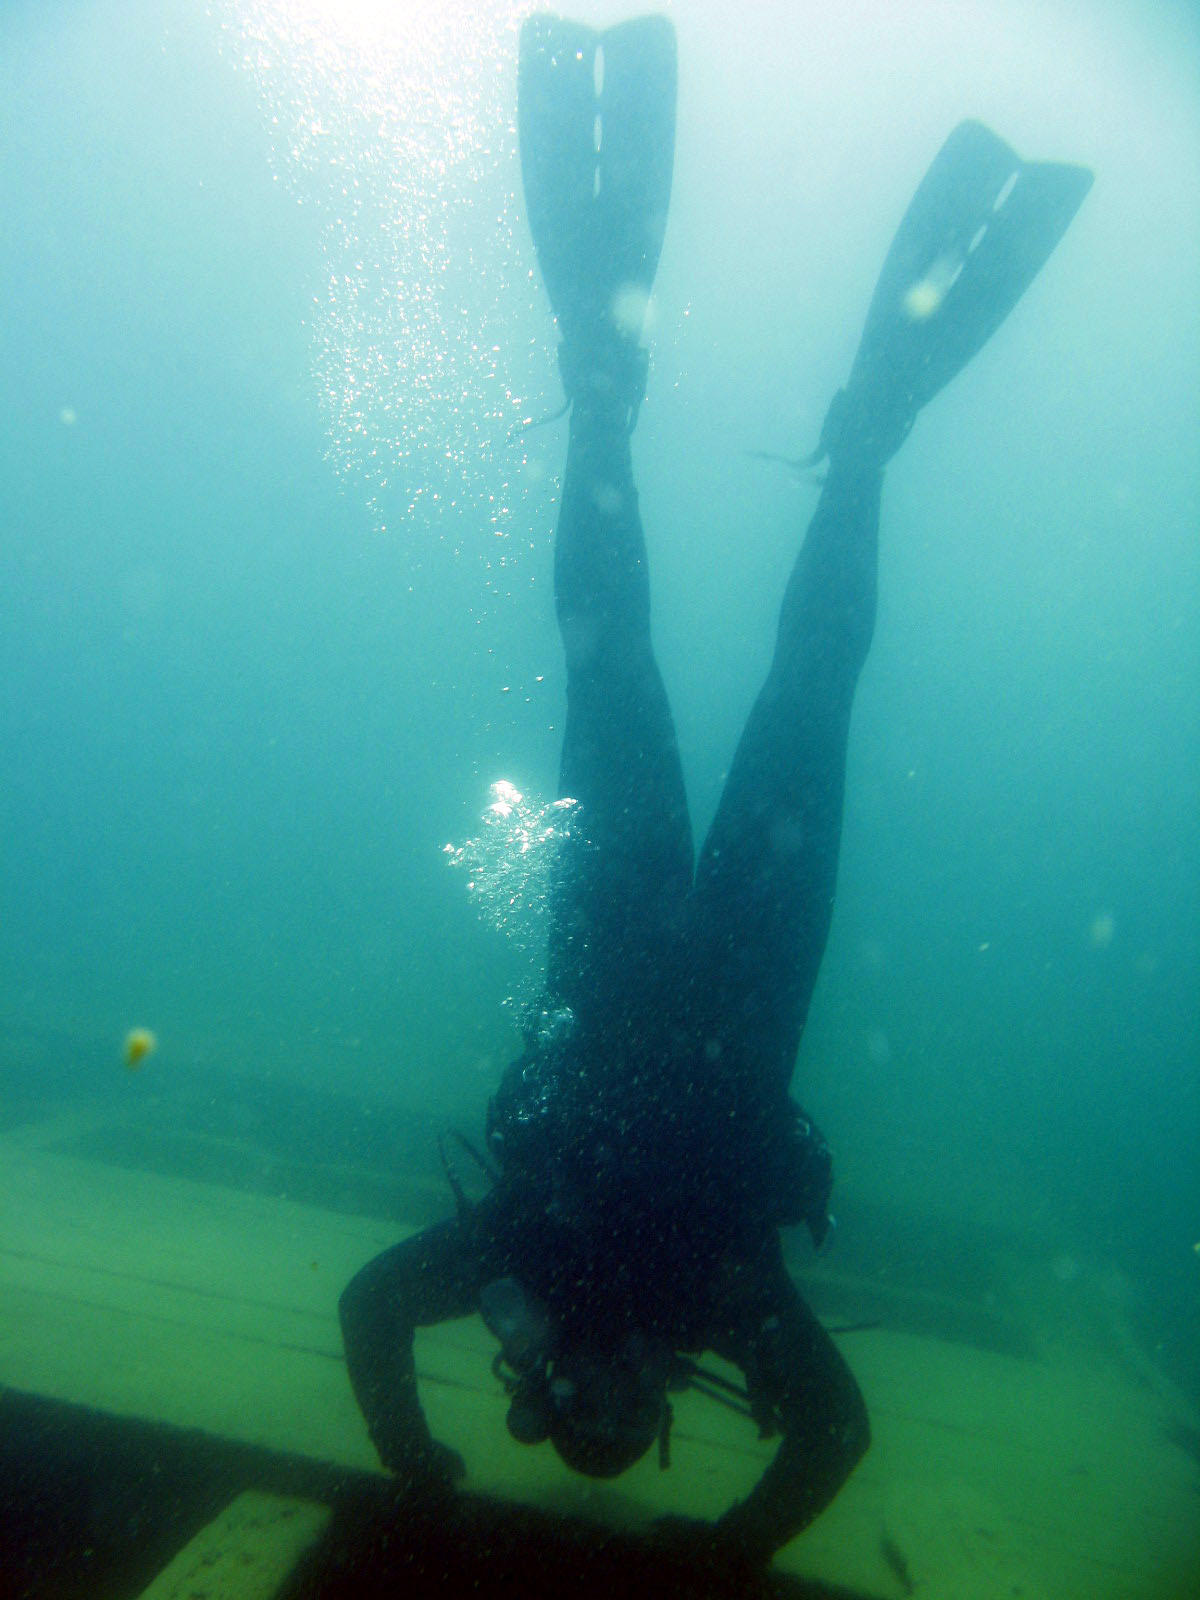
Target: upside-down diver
{"x":646,"y":1149}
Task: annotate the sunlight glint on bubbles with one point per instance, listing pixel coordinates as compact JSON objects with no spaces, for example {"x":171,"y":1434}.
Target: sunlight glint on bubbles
{"x":396,"y":123}
{"x":509,"y":870}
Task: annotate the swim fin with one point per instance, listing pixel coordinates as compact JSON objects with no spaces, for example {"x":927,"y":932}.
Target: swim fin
{"x":978,"y":230}
{"x":596,"y":117}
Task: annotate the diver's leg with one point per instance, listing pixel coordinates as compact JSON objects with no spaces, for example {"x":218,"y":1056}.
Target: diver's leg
{"x":626,"y":866}
{"x":978,"y":229}
{"x":596,"y":114}
{"x":767,"y":872}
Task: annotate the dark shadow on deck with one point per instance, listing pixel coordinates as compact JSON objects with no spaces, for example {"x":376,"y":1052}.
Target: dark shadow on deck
{"x":92,"y":1507}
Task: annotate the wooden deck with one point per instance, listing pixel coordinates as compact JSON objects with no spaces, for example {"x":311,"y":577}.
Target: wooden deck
{"x":993,"y":1476}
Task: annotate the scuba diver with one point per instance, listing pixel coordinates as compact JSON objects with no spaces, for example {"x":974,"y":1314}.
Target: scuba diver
{"x":644,"y":1148}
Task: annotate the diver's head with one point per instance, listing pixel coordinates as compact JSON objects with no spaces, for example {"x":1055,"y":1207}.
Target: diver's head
{"x":605,"y":1411}
{"x":602,"y":1406}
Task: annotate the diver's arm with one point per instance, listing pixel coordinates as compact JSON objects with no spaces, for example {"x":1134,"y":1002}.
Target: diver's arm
{"x":797,"y":1376}
{"x":429,"y":1278}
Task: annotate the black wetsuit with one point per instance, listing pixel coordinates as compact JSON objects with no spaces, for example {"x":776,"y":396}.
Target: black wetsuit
{"x":650,"y":1153}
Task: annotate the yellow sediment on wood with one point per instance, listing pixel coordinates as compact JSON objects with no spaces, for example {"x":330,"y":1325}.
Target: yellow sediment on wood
{"x":245,"y":1553}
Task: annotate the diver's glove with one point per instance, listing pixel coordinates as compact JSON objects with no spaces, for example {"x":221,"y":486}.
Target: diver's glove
{"x":432,"y":1468}
{"x":731,"y":1565}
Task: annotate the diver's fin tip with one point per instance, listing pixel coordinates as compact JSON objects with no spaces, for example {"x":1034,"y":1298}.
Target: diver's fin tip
{"x":596,"y":129}
{"x":980,"y":227}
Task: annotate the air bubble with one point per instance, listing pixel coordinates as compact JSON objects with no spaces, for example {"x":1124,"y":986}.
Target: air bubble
{"x":398,"y":136}
{"x":510,"y":867}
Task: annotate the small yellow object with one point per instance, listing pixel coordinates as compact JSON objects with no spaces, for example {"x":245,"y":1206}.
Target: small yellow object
{"x":139,"y":1043}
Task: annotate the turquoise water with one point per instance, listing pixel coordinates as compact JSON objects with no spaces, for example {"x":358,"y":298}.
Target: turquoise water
{"x":276,"y":583}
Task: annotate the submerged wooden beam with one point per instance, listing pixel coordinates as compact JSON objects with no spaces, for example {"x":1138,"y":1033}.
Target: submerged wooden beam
{"x":247,"y":1553}
{"x":175,"y":1304}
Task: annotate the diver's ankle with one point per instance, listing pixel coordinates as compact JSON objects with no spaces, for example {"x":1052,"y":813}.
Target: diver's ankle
{"x":604,"y":378}
{"x":862,"y":434}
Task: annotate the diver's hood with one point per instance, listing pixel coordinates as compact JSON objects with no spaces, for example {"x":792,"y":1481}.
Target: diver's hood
{"x":606,"y":1412}
{"x":602,"y":1409}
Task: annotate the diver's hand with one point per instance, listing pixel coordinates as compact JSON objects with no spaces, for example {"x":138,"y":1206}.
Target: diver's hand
{"x":718,"y":1549}
{"x":433,"y":1468}
{"x":443,"y":1462}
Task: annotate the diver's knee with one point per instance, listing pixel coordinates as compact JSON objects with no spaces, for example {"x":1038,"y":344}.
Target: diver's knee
{"x":359,"y":1302}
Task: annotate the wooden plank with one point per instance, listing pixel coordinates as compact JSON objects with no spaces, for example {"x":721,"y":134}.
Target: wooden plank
{"x":244,"y":1554}
{"x":1058,"y":1476}
{"x":206,"y":1307}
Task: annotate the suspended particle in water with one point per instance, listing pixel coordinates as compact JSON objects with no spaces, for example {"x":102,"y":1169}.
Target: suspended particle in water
{"x":879,"y":1047}
{"x":139,"y":1044}
{"x":1102,"y":930}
